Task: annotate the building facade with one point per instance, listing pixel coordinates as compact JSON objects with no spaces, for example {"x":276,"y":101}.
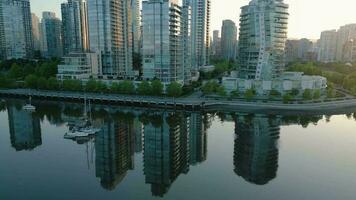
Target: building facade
{"x":299,"y":50}
{"x":51,"y":35}
{"x":75,"y":26}
{"x":16,"y":40}
{"x":36,"y":32}
{"x":263,"y":34}
{"x":228,"y":40}
{"x":110,"y":35}
{"x":162,"y":48}
{"x":79,"y":66}
{"x":327,"y":46}
{"x":136,"y":25}
{"x":200,"y":42}
{"x":216,"y":45}
{"x":344,"y":34}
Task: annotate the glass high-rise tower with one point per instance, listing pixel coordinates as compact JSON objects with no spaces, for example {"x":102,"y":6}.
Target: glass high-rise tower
{"x":263,"y":34}
{"x":51,"y":35}
{"x":162,"y":40}
{"x":136,"y":26}
{"x":16,"y":40}
{"x":75,"y":26}
{"x":200,"y":29}
{"x":228,"y":40}
{"x":110,"y":35}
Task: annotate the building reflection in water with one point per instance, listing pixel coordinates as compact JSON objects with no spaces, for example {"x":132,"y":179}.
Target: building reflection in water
{"x":114,"y":151}
{"x":171,"y":143}
{"x":25,"y":129}
{"x":256,"y":148}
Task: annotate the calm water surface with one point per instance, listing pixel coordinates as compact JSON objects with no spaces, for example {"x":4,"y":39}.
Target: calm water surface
{"x":147,"y":154}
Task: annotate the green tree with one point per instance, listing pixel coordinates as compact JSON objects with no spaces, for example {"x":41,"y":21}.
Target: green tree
{"x":101,"y":86}
{"x":144,"y":88}
{"x":210,"y":87}
{"x":174,"y":89}
{"x":287,"y":98}
{"x":307,"y":94}
{"x":41,"y":83}
{"x":4,"y":82}
{"x":72,"y":85}
{"x":115,"y":88}
{"x":156,"y":88}
{"x":127,"y":87}
{"x":15,"y":71}
{"x":221,"y":91}
{"x":29,"y":68}
{"x":31,"y":81}
{"x":52,"y":84}
{"x":330,"y":93}
{"x":316,"y":94}
{"x":295,"y":92}
{"x":91,"y":86}
{"x":47,"y":69}
{"x":275,"y":93}
{"x":235,"y":93}
{"x":250,"y":94}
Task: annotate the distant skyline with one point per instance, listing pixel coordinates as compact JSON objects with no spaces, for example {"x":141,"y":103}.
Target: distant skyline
{"x":307,"y":17}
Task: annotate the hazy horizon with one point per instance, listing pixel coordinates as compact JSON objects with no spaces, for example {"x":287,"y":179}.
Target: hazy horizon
{"x":307,"y":17}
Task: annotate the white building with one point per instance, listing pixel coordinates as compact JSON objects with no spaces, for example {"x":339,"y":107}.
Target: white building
{"x":162,"y":50}
{"x":79,"y":66}
{"x":286,"y":83}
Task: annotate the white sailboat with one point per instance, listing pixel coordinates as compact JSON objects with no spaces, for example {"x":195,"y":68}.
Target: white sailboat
{"x":84,"y":128}
{"x":29,"y":107}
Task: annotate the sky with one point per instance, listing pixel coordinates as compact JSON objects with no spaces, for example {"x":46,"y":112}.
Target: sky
{"x":307,"y":17}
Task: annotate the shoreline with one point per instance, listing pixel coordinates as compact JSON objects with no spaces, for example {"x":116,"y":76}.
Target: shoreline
{"x":185,"y":103}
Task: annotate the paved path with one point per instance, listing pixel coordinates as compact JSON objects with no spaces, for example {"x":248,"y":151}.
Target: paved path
{"x":193,"y":101}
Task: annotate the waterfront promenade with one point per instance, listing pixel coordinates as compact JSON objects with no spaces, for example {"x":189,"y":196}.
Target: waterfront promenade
{"x":193,"y":103}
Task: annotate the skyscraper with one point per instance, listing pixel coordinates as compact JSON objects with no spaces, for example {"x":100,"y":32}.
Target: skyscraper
{"x":327,"y":46}
{"x":216,"y":44}
{"x":200,"y":42}
{"x":75,"y":26}
{"x":51,"y":35}
{"x":162,"y":41}
{"x":136,"y":26}
{"x":228,"y":39}
{"x":36,"y":32}
{"x":344,"y":34}
{"x":298,"y":50}
{"x":16,"y":40}
{"x":110,"y":35}
{"x":263,"y":34}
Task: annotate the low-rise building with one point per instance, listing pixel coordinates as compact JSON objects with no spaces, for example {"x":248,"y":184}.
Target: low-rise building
{"x":286,"y":83}
{"x":79,"y":66}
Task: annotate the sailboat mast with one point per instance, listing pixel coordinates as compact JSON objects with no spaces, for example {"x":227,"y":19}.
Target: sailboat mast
{"x":85,"y":106}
